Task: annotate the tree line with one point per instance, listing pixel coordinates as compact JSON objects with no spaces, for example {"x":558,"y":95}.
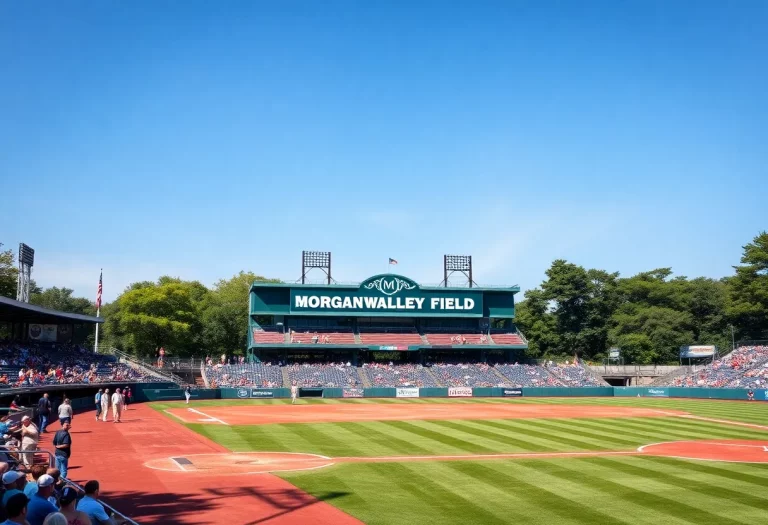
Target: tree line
{"x":575,"y":310}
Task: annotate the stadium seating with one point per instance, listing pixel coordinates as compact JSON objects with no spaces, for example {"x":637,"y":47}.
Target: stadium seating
{"x":328,"y":375}
{"x":248,"y":374}
{"x":574,"y":375}
{"x":528,"y":375}
{"x":391,"y":338}
{"x":507,"y":338}
{"x":441,"y":338}
{"x":466,"y":375}
{"x":33,"y":364}
{"x":339,"y":338}
{"x":398,"y":375}
{"x":267,"y":336}
{"x":745,"y":367}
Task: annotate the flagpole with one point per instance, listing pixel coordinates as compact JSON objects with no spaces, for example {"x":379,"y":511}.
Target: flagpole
{"x":98,"y":311}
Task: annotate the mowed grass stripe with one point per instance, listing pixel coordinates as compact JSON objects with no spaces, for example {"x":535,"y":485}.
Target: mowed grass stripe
{"x":692,"y":482}
{"x":571,"y":427}
{"x":455,"y":444}
{"x":647,"y":491}
{"x":740,"y":473}
{"x":558,"y":441}
{"x":510,"y":442}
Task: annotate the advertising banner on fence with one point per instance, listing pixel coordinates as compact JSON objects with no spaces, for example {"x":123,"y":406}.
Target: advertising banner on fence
{"x":407,"y":392}
{"x":657,"y":392}
{"x":242,"y":393}
{"x":352,"y":392}
{"x":512,"y":392}
{"x":255,"y":392}
{"x":460,"y":391}
{"x":694,"y":352}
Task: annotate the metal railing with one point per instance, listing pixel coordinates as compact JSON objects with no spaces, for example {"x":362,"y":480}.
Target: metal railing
{"x":147,"y":367}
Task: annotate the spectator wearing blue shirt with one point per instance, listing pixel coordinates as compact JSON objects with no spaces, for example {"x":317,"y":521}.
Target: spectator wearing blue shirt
{"x":14,"y":483}
{"x":97,"y":399}
{"x":31,"y":488}
{"x":39,"y":507}
{"x":44,"y":411}
{"x":93,"y":508}
{"x":16,"y":510}
{"x":63,"y":443}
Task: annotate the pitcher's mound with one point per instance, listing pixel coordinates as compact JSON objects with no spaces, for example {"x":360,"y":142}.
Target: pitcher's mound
{"x":731,"y":451}
{"x":242,"y":463}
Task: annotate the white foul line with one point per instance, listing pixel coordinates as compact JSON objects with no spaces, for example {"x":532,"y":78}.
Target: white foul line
{"x":725,"y":421}
{"x":210,"y":418}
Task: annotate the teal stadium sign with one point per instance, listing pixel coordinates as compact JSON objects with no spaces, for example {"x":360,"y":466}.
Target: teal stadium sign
{"x":387,"y":294}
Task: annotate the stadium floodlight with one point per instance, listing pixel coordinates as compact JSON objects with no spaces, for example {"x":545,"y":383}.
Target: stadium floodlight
{"x":26,"y":261}
{"x":457,"y":264}
{"x":313,"y":260}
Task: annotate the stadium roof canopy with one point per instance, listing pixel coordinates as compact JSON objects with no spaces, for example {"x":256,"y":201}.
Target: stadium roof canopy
{"x":17,"y":311}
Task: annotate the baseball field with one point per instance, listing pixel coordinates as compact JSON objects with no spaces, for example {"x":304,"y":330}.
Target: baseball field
{"x":494,"y":460}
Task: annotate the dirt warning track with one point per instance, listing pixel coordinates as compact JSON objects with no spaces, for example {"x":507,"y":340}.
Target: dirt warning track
{"x":263,"y":415}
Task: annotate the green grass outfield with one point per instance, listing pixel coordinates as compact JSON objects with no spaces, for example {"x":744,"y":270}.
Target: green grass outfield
{"x":604,"y":490}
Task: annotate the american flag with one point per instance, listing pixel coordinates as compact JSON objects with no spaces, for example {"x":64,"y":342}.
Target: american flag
{"x":98,"y":293}
{"x":392,"y":261}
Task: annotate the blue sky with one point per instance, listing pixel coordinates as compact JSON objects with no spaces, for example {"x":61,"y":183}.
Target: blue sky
{"x":202,"y":138}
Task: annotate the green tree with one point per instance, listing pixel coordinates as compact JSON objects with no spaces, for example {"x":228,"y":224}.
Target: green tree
{"x":225,"y":313}
{"x":532,"y":316}
{"x":747,"y":305}
{"x":8,"y":274}
{"x":61,"y":299}
{"x":166,"y":314}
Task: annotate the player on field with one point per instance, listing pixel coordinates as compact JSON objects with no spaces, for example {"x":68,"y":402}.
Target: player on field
{"x":294,"y":392}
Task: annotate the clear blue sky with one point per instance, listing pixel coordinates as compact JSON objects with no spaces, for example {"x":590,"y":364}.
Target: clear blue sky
{"x":201,"y":138}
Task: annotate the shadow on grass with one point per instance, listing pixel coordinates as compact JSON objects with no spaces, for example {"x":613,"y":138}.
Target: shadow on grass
{"x":214,"y":506}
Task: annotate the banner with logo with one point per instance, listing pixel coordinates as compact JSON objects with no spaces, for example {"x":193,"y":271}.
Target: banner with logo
{"x":657,"y":392}
{"x":407,"y":392}
{"x":352,"y":392}
{"x":45,"y":333}
{"x":512,"y":392}
{"x":614,"y":353}
{"x":258,"y":393}
{"x":388,"y":293}
{"x":460,"y":391}
{"x":242,"y":393}
{"x":693,"y":352}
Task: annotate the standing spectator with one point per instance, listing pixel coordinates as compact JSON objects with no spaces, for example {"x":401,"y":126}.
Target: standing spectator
{"x":187,"y":393}
{"x":93,"y":508}
{"x":65,"y":412}
{"x":68,"y":502}
{"x":30,"y":435}
{"x":117,"y":405}
{"x":105,"y":404}
{"x":39,"y":507}
{"x":97,"y":400}
{"x":16,"y":510}
{"x":126,"y":397}
{"x":43,"y":411}
{"x":63,"y":443}
{"x":14,"y":483}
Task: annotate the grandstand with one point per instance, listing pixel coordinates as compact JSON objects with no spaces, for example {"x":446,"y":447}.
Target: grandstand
{"x":387,"y":331}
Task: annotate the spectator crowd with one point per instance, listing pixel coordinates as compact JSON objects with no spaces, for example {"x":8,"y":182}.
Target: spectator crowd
{"x":745,"y":367}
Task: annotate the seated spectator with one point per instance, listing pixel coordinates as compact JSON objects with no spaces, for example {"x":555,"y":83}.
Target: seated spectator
{"x":14,"y":483}
{"x":31,"y":487}
{"x":68,"y":502}
{"x":57,"y":518}
{"x":39,"y":506}
{"x":16,"y":510}
{"x":92,"y":507}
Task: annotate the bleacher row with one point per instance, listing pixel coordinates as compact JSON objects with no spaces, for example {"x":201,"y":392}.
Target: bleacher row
{"x":330,"y":375}
{"x":745,"y":367}
{"x":382,"y":338}
{"x":38,"y":364}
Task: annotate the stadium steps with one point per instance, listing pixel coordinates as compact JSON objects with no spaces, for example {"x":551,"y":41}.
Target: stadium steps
{"x":364,"y":378}
{"x":286,"y":338}
{"x":424,"y":339}
{"x":433,"y":376}
{"x":286,"y":377}
{"x":358,"y":341}
{"x":490,"y":338}
{"x":504,"y":378}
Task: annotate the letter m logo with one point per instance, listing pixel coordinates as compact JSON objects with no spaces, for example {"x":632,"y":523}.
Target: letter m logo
{"x":389,"y":286}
